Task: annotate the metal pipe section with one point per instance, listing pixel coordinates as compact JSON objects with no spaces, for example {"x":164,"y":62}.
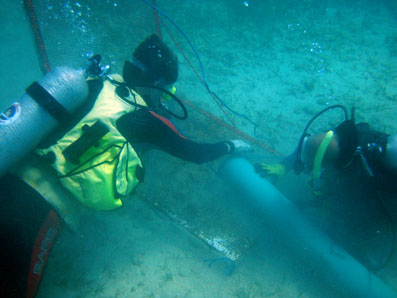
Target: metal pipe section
{"x":333,"y":262}
{"x":29,"y":120}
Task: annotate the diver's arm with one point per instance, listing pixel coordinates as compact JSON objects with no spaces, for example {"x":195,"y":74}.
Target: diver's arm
{"x":290,"y":161}
{"x":144,"y":126}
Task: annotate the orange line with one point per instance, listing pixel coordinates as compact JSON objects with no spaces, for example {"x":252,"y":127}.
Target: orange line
{"x":232,"y":128}
{"x":39,"y":43}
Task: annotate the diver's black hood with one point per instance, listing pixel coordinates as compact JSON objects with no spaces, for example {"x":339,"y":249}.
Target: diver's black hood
{"x":133,"y":75}
{"x":348,"y":142}
{"x":155,"y":62}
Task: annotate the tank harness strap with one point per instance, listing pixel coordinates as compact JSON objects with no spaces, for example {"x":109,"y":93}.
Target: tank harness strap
{"x":81,"y":168}
{"x":48,"y":102}
{"x":318,"y":159}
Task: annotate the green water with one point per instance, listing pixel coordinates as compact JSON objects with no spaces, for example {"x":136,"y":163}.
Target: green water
{"x":275,"y":62}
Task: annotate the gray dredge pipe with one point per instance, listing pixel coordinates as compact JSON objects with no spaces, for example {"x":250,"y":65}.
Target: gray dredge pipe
{"x":332,"y":261}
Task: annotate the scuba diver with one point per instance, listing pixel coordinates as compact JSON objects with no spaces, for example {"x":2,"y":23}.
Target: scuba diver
{"x":125,"y":112}
{"x":353,"y":168}
{"x":348,"y":146}
{"x":93,"y":157}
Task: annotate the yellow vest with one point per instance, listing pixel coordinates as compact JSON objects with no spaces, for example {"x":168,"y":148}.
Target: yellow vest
{"x":105,"y":172}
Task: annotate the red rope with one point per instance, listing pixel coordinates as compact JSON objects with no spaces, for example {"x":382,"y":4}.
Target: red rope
{"x":232,"y":128}
{"x":38,"y":39}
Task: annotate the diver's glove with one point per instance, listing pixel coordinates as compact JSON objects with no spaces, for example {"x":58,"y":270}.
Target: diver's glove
{"x":271,"y":172}
{"x":238,"y":146}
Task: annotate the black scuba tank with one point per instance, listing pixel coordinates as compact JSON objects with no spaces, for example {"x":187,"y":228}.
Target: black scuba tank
{"x":38,"y":112}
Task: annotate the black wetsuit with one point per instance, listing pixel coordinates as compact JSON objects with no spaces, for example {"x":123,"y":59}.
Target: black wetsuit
{"x":361,"y":196}
{"x":22,"y":213}
{"x":146,"y":126}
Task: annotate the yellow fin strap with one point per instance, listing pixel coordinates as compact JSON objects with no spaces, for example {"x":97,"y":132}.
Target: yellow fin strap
{"x":318,"y":159}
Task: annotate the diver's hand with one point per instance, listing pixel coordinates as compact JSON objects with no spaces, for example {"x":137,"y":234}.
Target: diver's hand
{"x":271,"y":172}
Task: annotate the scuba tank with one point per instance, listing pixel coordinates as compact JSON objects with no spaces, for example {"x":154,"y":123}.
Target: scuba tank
{"x":46,"y":104}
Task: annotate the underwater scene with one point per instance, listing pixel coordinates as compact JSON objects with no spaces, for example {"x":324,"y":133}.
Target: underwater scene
{"x":158,"y":148}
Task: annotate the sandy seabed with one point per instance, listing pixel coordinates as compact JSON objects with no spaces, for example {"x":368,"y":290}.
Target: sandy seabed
{"x":276,"y":63}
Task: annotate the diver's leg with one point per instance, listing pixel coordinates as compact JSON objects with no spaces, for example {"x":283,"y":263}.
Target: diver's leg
{"x":44,"y":179}
{"x":22,"y":214}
